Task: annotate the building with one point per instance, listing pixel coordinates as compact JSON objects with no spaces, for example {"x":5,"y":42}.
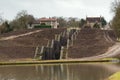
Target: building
{"x":49,"y":21}
{"x":91,"y":21}
{"x":44,"y":21}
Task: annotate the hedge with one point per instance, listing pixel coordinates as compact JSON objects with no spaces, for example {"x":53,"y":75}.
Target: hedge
{"x":42,"y":26}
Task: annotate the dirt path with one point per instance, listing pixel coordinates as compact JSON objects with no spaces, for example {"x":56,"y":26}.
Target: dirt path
{"x":16,"y":36}
{"x":107,"y":37}
{"x":112,"y":51}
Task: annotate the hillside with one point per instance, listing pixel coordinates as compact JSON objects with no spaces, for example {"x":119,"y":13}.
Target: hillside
{"x":91,"y":42}
{"x":24,"y":47}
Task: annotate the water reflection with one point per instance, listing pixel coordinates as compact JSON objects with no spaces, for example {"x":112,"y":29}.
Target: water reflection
{"x":56,"y":72}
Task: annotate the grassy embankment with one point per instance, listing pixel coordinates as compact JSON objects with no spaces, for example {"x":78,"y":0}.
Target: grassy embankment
{"x":33,"y":61}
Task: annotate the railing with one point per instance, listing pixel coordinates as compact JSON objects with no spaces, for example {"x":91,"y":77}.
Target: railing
{"x":58,"y":47}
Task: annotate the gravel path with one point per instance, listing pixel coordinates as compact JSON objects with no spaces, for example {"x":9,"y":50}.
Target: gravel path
{"x":20,"y":35}
{"x":112,"y":51}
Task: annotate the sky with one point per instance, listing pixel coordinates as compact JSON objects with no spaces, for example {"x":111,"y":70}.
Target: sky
{"x":50,"y":8}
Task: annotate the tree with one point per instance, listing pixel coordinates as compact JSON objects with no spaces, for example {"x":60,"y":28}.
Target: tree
{"x":82,"y":23}
{"x":62,"y":22}
{"x":116,"y":18}
{"x":22,"y":20}
{"x":103,"y":21}
{"x":5,"y":27}
{"x":72,"y":22}
{"x":96,"y":25}
{"x":0,"y":20}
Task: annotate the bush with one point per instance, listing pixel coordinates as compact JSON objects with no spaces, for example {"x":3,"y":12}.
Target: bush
{"x":5,"y":27}
{"x":96,"y":25}
{"x":42,"y":26}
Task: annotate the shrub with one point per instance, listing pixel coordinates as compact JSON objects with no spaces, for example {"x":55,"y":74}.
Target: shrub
{"x":42,"y":26}
{"x":96,"y":25}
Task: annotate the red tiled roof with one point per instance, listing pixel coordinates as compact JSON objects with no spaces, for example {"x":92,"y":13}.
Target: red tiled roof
{"x":93,"y":19}
{"x":47,"y":19}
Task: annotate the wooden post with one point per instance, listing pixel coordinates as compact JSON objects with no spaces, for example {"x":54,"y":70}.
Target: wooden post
{"x":67,"y":32}
{"x":52,"y":43}
{"x":61,"y":34}
{"x":64,"y":34}
{"x":77,"y":32}
{"x":61,"y":53}
{"x":56,"y":36}
{"x":48,"y":44}
{"x":72,"y":40}
{"x":41,"y":52}
{"x":75,"y":37}
{"x":68,"y":43}
{"x":66,"y":56}
{"x":36,"y":51}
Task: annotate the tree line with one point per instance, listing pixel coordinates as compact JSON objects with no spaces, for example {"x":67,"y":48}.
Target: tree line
{"x":116,"y":18}
{"x":23,"y":19}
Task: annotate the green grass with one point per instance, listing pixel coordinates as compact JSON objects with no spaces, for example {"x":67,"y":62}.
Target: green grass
{"x":107,"y":60}
{"x":115,"y":76}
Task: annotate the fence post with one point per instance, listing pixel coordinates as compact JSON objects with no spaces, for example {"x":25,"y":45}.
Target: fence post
{"x":64,"y":34}
{"x":36,"y":51}
{"x":75,"y":36}
{"x":72,"y":40}
{"x":67,"y":33}
{"x":56,"y":36}
{"x":68,"y":43}
{"x":60,"y":34}
{"x":52,"y":43}
{"x":48,"y":44}
{"x":61,"y":53}
{"x":41,"y":52}
{"x":66,"y":56}
{"x":77,"y":32}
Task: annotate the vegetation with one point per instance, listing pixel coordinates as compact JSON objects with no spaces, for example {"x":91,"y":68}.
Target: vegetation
{"x":62,"y":22}
{"x":5,"y":27}
{"x":116,"y":18}
{"x":96,"y":25}
{"x":42,"y":26}
{"x":22,"y":20}
{"x":72,"y":22}
{"x":82,"y":23}
{"x":115,"y":76}
{"x":104,"y":22}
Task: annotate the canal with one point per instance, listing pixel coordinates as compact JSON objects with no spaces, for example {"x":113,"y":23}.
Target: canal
{"x":59,"y":72}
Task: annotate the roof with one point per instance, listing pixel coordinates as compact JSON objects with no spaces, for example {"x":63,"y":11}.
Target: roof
{"x":93,"y":19}
{"x":47,"y":19}
{"x":36,"y":22}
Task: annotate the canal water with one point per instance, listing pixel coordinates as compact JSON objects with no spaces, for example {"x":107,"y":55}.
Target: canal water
{"x":59,"y":72}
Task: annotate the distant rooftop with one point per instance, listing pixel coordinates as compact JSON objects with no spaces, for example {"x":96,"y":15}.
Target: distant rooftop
{"x":37,"y":21}
{"x":93,"y":19}
{"x":47,"y":19}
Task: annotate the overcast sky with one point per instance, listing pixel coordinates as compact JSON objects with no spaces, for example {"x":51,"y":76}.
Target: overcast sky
{"x":49,"y":8}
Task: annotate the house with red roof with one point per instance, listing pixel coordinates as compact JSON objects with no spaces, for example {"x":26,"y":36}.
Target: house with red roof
{"x":91,"y":21}
{"x":51,"y":22}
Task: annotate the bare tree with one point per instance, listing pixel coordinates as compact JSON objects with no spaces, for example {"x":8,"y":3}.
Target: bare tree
{"x":22,"y":20}
{"x":116,"y":19}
